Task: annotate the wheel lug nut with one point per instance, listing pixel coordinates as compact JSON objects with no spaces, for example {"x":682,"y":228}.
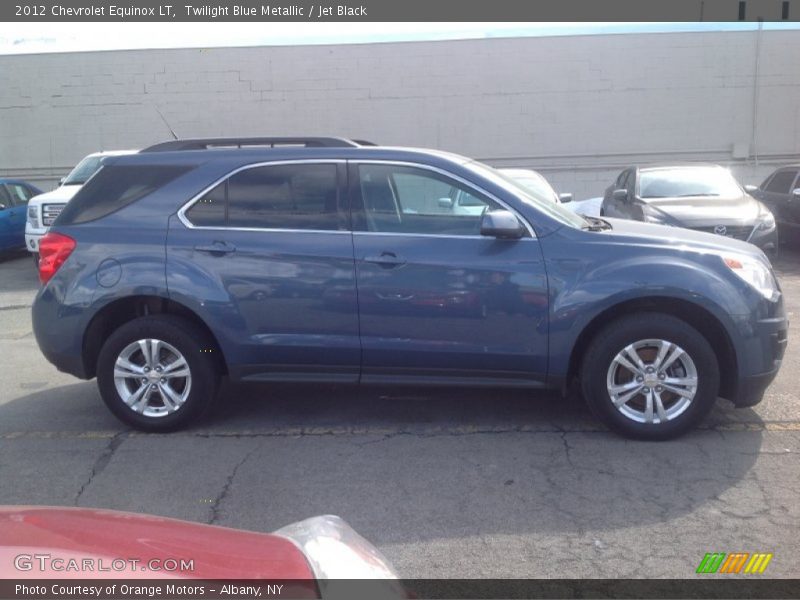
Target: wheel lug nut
{"x":639,"y":379}
{"x":154,"y":387}
{"x":659,"y":388}
{"x":147,"y":369}
{"x":661,"y":376}
{"x":158,"y":369}
{"x":646,"y":390}
{"x":144,"y":379}
{"x":163,"y":380}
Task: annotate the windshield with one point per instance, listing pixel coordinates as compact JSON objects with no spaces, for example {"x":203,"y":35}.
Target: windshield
{"x":687,"y":181}
{"x":85,"y":169}
{"x":540,"y":201}
{"x":533,"y":181}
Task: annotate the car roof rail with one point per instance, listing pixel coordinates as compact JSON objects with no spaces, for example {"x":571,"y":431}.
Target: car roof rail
{"x":269,"y":142}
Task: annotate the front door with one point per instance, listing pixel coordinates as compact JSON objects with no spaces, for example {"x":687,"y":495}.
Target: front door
{"x":267,"y":256}
{"x":438,"y":302}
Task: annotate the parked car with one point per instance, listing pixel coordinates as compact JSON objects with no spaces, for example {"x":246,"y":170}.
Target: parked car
{"x":45,"y":207}
{"x":179,"y":264}
{"x":536,"y":183}
{"x":700,"y":197}
{"x":40,"y":542}
{"x":781,"y":193}
{"x":14,"y":197}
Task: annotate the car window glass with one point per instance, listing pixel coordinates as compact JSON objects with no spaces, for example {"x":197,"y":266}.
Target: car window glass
{"x":781,"y":182}
{"x":685,"y":182}
{"x":19,"y":193}
{"x":302,"y":196}
{"x":83,"y":171}
{"x":114,"y":187}
{"x":209,"y":211}
{"x":5,"y":198}
{"x":400,"y":199}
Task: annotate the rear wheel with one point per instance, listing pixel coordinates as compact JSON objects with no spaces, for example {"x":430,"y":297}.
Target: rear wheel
{"x":650,"y":376}
{"x":158,"y":373}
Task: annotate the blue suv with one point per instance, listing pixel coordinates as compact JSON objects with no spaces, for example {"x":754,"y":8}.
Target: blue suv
{"x":325,"y":259}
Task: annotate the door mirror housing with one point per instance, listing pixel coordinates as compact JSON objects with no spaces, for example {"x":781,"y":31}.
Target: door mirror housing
{"x":3,"y":206}
{"x":61,"y":181}
{"x":501,"y":224}
{"x":445,"y":202}
{"x":620,"y":195}
{"x":564,"y":198}
{"x":796,"y":192}
{"x":750,"y":188}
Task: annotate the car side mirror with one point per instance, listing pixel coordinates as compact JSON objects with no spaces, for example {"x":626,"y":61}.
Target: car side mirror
{"x":750,"y":188}
{"x":501,"y":224}
{"x":796,"y":192}
{"x":620,"y":195}
{"x":564,"y":198}
{"x":445,"y":202}
{"x":3,"y":206}
{"x":61,"y":181}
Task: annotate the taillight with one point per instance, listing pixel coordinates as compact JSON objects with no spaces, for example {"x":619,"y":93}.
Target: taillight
{"x":54,"y":249}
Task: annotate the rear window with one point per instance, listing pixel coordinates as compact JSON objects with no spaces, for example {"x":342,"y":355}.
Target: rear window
{"x":114,"y":187}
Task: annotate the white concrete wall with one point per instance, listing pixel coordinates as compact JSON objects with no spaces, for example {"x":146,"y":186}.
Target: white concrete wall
{"x":577,"y":108}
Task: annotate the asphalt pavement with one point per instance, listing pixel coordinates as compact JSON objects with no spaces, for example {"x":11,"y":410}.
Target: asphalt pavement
{"x":453,"y":483}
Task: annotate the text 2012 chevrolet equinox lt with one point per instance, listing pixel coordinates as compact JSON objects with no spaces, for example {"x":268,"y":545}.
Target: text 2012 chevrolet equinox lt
{"x":322,"y":259}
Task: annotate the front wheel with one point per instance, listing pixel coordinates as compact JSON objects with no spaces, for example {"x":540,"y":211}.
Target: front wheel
{"x":650,"y":376}
{"x":158,"y":373}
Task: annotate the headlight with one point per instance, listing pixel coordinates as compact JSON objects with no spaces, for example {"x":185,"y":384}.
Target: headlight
{"x":33,"y":217}
{"x":766,"y":221}
{"x":754,"y":272}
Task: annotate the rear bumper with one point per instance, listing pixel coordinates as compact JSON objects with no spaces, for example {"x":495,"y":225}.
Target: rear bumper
{"x":55,"y":331}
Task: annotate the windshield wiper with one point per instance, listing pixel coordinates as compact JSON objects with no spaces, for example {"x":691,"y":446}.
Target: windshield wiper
{"x":595,"y":224}
{"x":698,"y":195}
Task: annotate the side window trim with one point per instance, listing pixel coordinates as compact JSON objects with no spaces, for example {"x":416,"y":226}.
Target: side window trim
{"x":341,"y":194}
{"x":352,"y":171}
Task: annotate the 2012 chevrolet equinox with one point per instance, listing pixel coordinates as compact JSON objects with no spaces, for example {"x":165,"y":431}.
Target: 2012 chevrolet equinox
{"x":323,"y":259}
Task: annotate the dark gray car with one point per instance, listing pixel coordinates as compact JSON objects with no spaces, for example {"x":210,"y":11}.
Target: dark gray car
{"x":700,"y":197}
{"x":781,"y":193}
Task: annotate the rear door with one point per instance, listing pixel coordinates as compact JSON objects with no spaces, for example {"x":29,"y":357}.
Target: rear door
{"x":438,"y":301}
{"x":266,"y":257}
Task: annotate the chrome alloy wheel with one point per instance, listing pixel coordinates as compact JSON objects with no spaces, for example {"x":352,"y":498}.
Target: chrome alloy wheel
{"x":652,"y":381}
{"x":152,"y":378}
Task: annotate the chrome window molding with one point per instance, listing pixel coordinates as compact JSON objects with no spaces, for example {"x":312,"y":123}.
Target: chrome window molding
{"x":192,"y":201}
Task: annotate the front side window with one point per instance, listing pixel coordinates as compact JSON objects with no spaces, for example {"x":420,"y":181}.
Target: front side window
{"x":301,"y":196}
{"x":20,"y":194}
{"x":402,"y":199}
{"x":5,"y":198}
{"x":781,"y":182}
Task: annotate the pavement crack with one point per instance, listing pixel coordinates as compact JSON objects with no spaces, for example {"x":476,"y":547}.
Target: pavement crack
{"x":102,"y":461}
{"x":223,"y":493}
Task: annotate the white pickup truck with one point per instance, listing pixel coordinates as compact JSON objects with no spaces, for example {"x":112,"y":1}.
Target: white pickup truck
{"x":44,"y":208}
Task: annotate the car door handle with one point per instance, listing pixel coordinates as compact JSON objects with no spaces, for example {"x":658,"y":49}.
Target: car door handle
{"x":387,"y":260}
{"x":217,"y":248}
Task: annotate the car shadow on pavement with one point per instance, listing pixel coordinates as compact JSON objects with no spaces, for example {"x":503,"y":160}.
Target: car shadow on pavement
{"x":400,"y":464}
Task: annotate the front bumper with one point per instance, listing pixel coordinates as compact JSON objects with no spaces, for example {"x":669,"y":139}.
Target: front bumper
{"x":760,"y":357}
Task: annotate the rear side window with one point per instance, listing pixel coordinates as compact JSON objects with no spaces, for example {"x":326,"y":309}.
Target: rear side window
{"x":781,"y":182}
{"x":113,"y":188}
{"x":303,"y":196}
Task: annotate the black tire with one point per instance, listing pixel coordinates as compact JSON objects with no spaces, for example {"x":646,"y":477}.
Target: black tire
{"x":613,"y":338}
{"x":194,"y":345}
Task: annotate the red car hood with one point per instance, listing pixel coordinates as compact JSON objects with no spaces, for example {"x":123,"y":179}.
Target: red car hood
{"x":105,"y":535}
